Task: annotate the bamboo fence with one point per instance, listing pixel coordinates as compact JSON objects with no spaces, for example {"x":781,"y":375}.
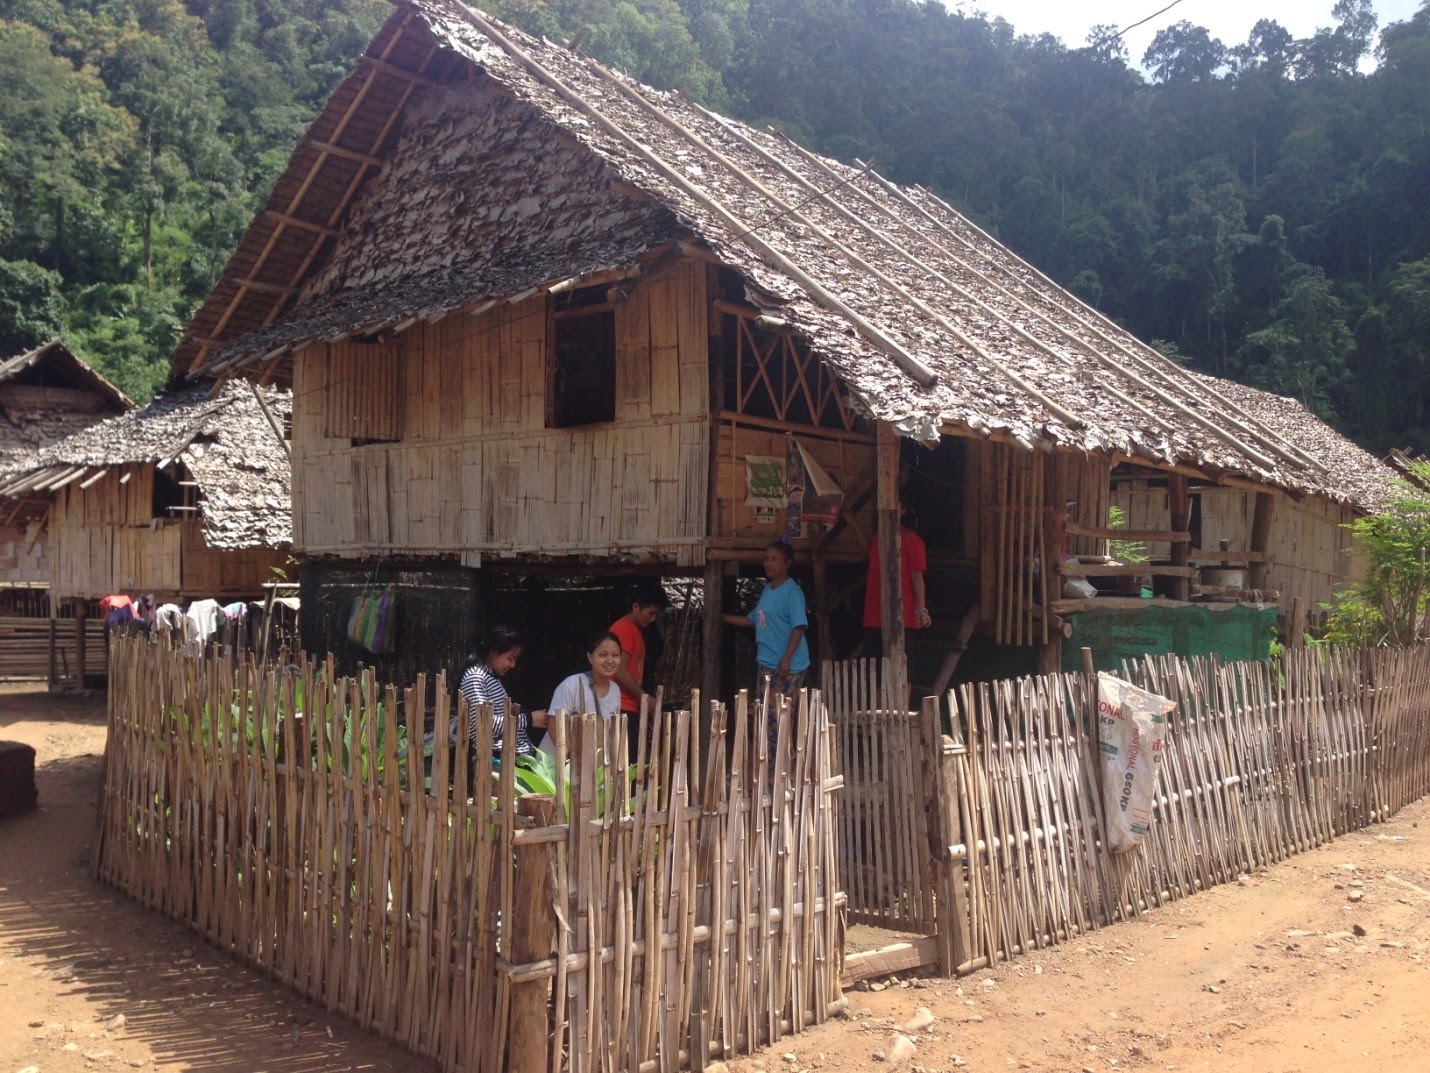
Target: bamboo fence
{"x":280,"y":813}
{"x":1262,"y":761}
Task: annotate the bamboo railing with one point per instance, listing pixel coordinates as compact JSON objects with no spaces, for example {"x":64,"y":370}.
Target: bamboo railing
{"x":280,"y":813}
{"x":1262,"y":761}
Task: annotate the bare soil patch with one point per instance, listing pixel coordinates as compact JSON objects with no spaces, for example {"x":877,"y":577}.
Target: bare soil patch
{"x":1319,"y":964}
{"x":91,"y":980}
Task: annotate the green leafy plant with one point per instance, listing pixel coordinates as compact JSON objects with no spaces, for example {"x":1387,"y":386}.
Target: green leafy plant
{"x":1390,"y":605}
{"x":1126,"y":551}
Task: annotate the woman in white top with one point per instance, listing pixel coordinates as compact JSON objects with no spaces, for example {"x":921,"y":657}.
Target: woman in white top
{"x":594,"y":689}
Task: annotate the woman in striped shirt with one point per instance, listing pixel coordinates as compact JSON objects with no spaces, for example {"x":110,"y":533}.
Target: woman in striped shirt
{"x":481,"y":684}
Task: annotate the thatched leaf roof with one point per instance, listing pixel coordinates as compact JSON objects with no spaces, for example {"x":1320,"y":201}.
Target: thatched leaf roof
{"x":226,"y":444}
{"x":29,"y":420}
{"x":931,"y":323}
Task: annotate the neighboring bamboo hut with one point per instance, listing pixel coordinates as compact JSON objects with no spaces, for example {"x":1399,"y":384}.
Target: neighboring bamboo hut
{"x":544,"y":322}
{"x":45,"y":395}
{"x":185,"y":498}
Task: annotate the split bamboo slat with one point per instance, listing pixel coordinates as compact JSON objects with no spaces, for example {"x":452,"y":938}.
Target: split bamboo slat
{"x":647,"y":917}
{"x":1261,"y":761}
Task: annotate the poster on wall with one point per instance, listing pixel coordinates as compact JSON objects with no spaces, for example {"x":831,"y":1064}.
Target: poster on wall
{"x":812,"y":497}
{"x":765,"y":486}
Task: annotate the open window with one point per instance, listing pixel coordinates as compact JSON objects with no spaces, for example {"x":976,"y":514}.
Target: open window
{"x":581,"y":370}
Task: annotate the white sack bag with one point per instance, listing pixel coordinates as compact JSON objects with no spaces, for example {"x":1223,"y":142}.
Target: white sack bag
{"x":1131,"y":728}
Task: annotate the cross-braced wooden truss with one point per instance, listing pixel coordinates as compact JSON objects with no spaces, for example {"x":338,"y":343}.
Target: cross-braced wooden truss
{"x":777,"y":376}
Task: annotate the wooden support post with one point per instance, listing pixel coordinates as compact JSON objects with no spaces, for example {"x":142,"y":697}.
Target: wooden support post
{"x":890,"y":577}
{"x":712,"y":636}
{"x":81,"y":609}
{"x":54,"y":648}
{"x":1296,"y":628}
{"x":1050,"y":653}
{"x":821,"y":610}
{"x":944,"y":832}
{"x":533,"y":939}
{"x":1260,"y":537}
{"x":1180,"y":503}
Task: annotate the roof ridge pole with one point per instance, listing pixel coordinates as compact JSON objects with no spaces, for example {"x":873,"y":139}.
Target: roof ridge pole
{"x":1158,"y":366}
{"x":921,"y":373}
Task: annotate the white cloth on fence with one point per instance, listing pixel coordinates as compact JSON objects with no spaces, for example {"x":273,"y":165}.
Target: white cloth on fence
{"x":170,"y":618}
{"x":205,"y":616}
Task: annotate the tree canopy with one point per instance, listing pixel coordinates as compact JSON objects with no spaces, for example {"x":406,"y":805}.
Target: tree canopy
{"x":1259,"y":209}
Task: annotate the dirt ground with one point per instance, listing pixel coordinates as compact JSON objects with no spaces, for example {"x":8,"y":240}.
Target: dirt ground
{"x":1268,"y":976}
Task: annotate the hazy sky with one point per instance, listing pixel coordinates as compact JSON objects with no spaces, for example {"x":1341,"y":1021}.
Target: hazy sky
{"x":1229,"y":20}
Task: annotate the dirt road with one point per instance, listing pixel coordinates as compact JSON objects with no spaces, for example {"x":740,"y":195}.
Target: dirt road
{"x":1269,"y":976}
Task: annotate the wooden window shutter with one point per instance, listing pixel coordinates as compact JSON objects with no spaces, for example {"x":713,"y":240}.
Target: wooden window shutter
{"x":363,"y":400}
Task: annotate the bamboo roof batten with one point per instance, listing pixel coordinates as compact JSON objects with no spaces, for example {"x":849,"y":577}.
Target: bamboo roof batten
{"x":1148,"y":358}
{"x":1069,"y":418}
{"x":297,"y":199}
{"x":1268,"y":464}
{"x":921,"y":373}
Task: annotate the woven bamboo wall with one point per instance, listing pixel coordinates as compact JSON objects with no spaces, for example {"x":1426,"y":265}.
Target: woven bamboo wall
{"x":1312,"y":553}
{"x":23,"y":554}
{"x":473,"y":470}
{"x":105,"y":539}
{"x":102,"y":539}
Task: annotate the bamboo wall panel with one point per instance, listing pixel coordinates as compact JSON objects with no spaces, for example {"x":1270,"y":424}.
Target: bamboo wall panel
{"x":475,"y":468}
{"x":105,"y":539}
{"x":1313,"y":554}
{"x":362,"y":392}
{"x":93,"y":558}
{"x":848,"y":459}
{"x":1145,"y":505}
{"x":595,"y":931}
{"x":1017,"y":557}
{"x":25,"y":648}
{"x":216,"y":572}
{"x":1085,"y":481}
{"x":24,"y":552}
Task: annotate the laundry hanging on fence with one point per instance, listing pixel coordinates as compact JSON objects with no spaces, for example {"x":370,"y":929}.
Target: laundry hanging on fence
{"x":1131,"y":729}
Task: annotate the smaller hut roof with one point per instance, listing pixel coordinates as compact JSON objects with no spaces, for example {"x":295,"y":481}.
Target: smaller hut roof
{"x":29,"y":424}
{"x":225,"y":442}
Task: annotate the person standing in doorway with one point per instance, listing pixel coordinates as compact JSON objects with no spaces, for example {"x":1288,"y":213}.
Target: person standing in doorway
{"x":913,"y":564}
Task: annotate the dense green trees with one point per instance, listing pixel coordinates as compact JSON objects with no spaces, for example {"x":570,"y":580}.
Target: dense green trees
{"x":1261,"y":209}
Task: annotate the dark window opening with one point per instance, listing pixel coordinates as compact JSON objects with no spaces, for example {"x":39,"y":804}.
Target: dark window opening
{"x":169,"y":498}
{"x":582,"y":379}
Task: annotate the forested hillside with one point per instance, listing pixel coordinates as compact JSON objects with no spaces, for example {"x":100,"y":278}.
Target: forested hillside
{"x":1261,"y":209}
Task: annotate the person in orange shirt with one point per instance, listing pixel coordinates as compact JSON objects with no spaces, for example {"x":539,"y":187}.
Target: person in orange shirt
{"x":647,"y":601}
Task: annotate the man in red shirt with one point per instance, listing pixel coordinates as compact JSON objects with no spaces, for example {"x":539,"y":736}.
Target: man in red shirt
{"x":647,"y":601}
{"x":913,"y":563}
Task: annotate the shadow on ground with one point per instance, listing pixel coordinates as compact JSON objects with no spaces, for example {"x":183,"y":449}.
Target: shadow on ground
{"x":75,"y":953}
